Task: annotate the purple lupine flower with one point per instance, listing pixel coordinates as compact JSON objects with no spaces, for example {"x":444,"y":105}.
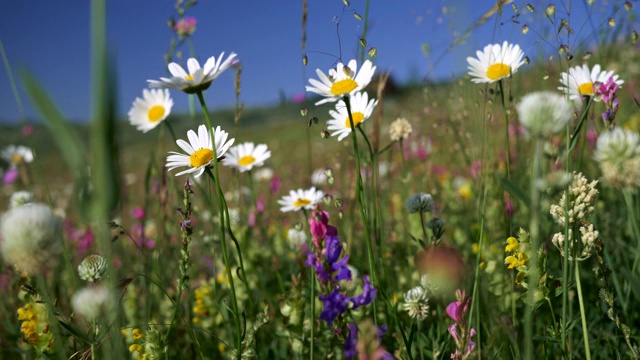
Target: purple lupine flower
{"x":350,"y":344}
{"x":334,"y":249}
{"x":367,"y":296}
{"x":334,"y":304}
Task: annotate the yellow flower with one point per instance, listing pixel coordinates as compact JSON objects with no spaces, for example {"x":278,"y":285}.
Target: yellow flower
{"x":512,"y":244}
{"x":512,"y":261}
{"x":137,"y":334}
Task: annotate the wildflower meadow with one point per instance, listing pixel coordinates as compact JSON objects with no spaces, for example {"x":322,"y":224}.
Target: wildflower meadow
{"x":494,"y":215}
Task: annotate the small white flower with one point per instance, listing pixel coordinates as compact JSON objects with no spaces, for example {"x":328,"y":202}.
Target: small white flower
{"x":20,"y":198}
{"x":296,"y":237}
{"x":319,"y":177}
{"x":16,"y":155}
{"x":400,"y":129}
{"x":245,"y":156}
{"x":94,"y":301}
{"x":416,"y":303}
{"x":544,"y":112}
{"x":342,"y":81}
{"x":199,"y":150}
{"x":92,"y":268}
{"x":579,"y":81}
{"x":150,"y":110}
{"x":300,"y":199}
{"x":361,"y":109}
{"x":197,"y":79}
{"x":263,"y":174}
{"x":30,"y":236}
{"x":495,"y":62}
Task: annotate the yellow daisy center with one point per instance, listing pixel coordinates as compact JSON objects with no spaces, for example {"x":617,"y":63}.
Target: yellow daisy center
{"x":16,"y":158}
{"x":246,"y":160}
{"x":301,"y":202}
{"x":498,"y":71}
{"x":155,"y":113}
{"x":586,"y":89}
{"x":357,"y":119}
{"x":189,"y":77}
{"x":200,"y":157}
{"x":343,"y":86}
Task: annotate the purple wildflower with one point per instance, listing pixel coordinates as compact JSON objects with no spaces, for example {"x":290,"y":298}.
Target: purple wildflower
{"x":334,"y":304}
{"x":350,"y":344}
{"x":367,"y":296}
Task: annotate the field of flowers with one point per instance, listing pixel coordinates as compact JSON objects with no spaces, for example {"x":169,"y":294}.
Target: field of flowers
{"x":494,"y":216}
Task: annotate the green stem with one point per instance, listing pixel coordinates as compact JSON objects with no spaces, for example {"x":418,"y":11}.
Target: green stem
{"x":312,"y":288}
{"x":223,"y":241}
{"x":565,"y":258}
{"x":363,"y":214}
{"x":506,"y":132}
{"x":583,"y":317}
{"x":534,"y":232}
{"x":424,"y":230}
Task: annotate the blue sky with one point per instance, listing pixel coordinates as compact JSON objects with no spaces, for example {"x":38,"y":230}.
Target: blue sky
{"x":51,"y":41}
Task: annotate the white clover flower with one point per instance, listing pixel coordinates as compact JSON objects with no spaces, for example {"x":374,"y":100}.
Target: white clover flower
{"x":361,"y":110}
{"x":151,"y":109}
{"x":544,"y":112}
{"x":199,"y":150}
{"x":246,"y":156}
{"x":579,"y":81}
{"x":300,"y":199}
{"x":94,"y":301}
{"x":93,"y":268}
{"x":400,"y":129}
{"x":342,"y":81}
{"x":31,"y":237}
{"x":416,"y":303}
{"x":495,"y":62}
{"x":20,"y":198}
{"x":618,"y":154}
{"x":197,"y":79}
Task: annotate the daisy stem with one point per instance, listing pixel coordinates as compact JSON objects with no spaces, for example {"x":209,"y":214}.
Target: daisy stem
{"x":363,"y":213}
{"x":223,"y":242}
{"x":565,"y":258}
{"x":506,"y":132}
{"x":628,"y":199}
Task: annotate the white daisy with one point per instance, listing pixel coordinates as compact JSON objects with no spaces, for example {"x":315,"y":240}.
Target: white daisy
{"x":197,"y":79}
{"x":151,"y":109}
{"x":300,"y":199}
{"x":341,"y":81}
{"x":199,"y":150}
{"x":245,"y":156}
{"x":495,"y":62}
{"x":361,"y":109}
{"x":16,"y":155}
{"x":578,"y":82}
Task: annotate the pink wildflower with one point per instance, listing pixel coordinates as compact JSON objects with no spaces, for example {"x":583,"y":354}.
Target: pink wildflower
{"x":185,"y":26}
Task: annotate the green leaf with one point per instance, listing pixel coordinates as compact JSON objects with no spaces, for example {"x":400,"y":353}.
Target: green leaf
{"x":75,"y":332}
{"x":513,"y":189}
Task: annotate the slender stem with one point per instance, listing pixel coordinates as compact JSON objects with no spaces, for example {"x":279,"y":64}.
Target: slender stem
{"x":534,"y":232}
{"x":424,"y":230}
{"x":506,"y":132}
{"x":223,"y":241}
{"x":583,"y":317}
{"x":634,"y":225}
{"x":565,"y":258}
{"x":363,"y":214}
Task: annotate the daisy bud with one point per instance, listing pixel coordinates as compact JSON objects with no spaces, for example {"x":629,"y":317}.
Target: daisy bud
{"x":93,"y":268}
{"x":550,"y":10}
